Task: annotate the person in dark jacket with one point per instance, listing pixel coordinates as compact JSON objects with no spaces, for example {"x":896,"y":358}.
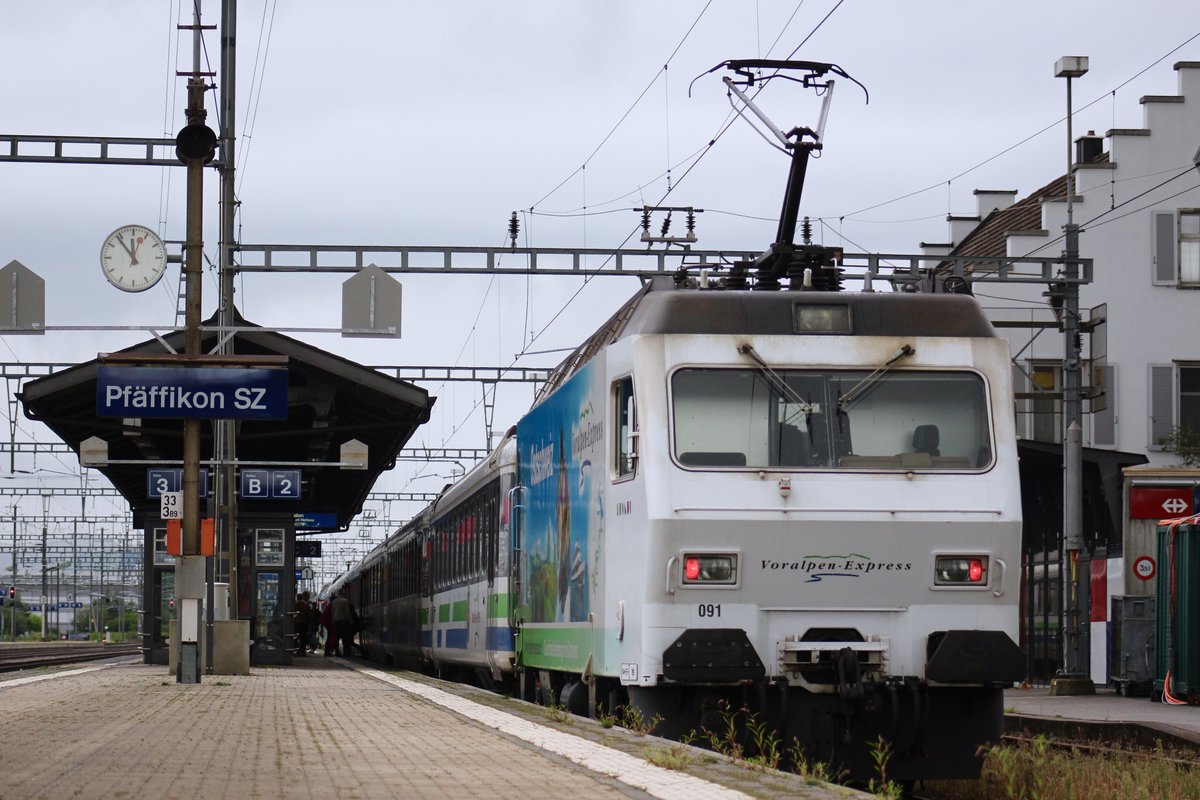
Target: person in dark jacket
{"x":330,"y":629}
{"x":343,"y":620}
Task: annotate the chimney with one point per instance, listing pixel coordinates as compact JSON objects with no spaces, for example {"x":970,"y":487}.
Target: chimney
{"x":961,"y":227}
{"x":1088,"y":148}
{"x":989,"y":200}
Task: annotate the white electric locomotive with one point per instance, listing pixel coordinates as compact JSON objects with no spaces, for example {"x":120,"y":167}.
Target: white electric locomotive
{"x":802,"y":503}
{"x":755,"y":492}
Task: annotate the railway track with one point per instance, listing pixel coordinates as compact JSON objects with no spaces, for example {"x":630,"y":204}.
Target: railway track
{"x":31,"y":656}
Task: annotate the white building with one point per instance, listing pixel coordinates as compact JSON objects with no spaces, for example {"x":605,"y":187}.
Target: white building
{"x":1138,"y":207}
{"x":1137,"y":203}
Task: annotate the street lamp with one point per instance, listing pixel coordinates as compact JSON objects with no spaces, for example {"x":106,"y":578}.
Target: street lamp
{"x":1073,"y":681}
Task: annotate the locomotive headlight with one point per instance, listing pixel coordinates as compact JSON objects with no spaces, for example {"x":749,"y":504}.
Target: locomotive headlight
{"x":960,"y":570}
{"x":709,"y":568}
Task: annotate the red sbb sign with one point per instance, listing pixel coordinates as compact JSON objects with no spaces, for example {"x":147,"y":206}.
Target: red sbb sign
{"x":1161,"y":502}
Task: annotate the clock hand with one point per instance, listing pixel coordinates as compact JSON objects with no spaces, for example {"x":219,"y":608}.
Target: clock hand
{"x":125,"y":247}
{"x":133,"y":253}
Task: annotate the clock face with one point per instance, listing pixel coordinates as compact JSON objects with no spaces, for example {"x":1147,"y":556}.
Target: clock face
{"x":133,"y":258}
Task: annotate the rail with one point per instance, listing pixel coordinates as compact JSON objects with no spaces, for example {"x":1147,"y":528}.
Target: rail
{"x":20,"y":656}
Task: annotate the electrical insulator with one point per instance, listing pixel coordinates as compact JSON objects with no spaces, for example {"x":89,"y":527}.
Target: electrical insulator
{"x":666,"y":226}
{"x":691,"y":222}
{"x":514,"y":228}
{"x":806,"y":230}
{"x":646,"y":219}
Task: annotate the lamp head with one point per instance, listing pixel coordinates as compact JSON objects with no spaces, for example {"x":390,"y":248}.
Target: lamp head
{"x":1071,"y":67}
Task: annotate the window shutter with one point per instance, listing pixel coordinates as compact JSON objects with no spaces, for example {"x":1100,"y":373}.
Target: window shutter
{"x":1104,"y":427}
{"x":1164,"y":246}
{"x":1020,"y":384}
{"x":1162,"y":403}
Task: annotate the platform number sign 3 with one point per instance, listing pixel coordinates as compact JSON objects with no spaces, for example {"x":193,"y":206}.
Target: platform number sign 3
{"x":171,"y":505}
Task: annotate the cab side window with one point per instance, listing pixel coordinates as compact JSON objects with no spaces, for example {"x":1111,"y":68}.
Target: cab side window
{"x":625,"y":426}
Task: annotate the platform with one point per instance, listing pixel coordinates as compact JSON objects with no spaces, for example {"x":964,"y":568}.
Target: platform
{"x":330,"y":728}
{"x":1105,"y":706}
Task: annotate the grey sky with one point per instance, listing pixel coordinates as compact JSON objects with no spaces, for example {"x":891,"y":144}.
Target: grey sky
{"x":428,"y":123}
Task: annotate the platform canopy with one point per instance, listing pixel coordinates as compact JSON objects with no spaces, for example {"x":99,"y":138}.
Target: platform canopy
{"x":330,"y":400}
{"x":1042,"y":495}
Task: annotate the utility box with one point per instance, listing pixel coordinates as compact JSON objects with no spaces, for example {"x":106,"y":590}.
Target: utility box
{"x":1132,"y":657}
{"x":1177,"y":627}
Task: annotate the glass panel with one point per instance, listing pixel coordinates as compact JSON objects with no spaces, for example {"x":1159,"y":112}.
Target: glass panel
{"x":1189,"y":261}
{"x":1189,"y":398}
{"x":625,"y":418}
{"x":850,"y":419}
{"x":165,"y":612}
{"x":1045,"y":411}
{"x":161,"y":557}
{"x":270,"y":614}
{"x":1189,"y":223}
{"x":269,"y":547}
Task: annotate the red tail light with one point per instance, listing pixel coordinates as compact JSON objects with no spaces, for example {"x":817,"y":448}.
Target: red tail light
{"x":975,"y":571}
{"x":965,"y":570}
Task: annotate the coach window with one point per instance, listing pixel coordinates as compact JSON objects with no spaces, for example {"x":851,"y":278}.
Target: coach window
{"x":625,"y":424}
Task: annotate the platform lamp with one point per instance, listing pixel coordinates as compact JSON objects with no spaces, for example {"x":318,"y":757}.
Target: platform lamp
{"x":1073,"y":680}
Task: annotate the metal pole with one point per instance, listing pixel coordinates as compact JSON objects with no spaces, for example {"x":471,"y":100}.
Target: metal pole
{"x":12,"y":623}
{"x":191,"y":566}
{"x":192,"y":287}
{"x":100,"y":594}
{"x":44,"y":597}
{"x":1074,"y":656}
{"x":224,"y":490}
{"x":74,"y":574}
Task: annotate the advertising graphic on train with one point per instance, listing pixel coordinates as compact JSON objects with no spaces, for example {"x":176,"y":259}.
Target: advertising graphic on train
{"x":561,"y":445}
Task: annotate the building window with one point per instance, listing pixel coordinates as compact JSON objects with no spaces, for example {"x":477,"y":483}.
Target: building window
{"x":1189,"y":397}
{"x":1175,"y":245}
{"x":1189,"y":247}
{"x":1047,"y":427}
{"x":1174,"y":401}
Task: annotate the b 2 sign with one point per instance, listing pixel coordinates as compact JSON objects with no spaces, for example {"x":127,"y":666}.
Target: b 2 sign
{"x":191,"y":392}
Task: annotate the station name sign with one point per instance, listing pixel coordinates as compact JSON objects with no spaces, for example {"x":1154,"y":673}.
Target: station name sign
{"x":195,"y":392}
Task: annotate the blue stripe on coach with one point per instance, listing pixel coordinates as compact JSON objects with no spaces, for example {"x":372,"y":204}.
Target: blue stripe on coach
{"x":500,"y":638}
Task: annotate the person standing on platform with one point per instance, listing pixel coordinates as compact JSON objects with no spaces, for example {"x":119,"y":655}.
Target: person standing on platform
{"x":326,"y":621}
{"x":343,"y":621}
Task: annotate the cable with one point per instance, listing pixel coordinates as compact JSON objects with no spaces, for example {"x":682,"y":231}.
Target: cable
{"x":629,"y":110}
{"x":1009,"y":261}
{"x":783,"y":30}
{"x":1026,"y":139}
{"x":588,"y":275}
{"x":255,"y":94}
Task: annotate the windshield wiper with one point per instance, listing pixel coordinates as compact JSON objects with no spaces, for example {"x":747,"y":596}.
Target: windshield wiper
{"x":773,"y":378}
{"x":860,"y":389}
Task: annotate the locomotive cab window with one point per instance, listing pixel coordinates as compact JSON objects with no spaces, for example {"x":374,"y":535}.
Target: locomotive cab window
{"x":625,"y":426}
{"x":830,"y":419}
